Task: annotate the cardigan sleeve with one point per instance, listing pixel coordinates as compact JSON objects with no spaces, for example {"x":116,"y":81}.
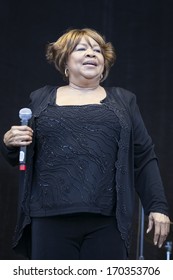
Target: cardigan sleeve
{"x":148,"y":182}
{"x":10,"y":154}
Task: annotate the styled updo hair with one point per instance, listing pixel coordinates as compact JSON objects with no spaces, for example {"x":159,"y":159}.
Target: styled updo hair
{"x":59,"y":51}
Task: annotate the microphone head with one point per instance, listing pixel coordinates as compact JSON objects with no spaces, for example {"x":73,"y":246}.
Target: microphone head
{"x":25,"y":114}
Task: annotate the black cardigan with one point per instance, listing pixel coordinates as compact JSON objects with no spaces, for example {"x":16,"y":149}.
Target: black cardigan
{"x":136,"y":165}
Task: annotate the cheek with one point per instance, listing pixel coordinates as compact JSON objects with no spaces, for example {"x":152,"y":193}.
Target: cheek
{"x":73,"y":62}
{"x":103,"y":65}
{"x":102,"y":61}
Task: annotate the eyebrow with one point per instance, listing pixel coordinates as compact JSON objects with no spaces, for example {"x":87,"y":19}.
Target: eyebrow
{"x":85,"y":45}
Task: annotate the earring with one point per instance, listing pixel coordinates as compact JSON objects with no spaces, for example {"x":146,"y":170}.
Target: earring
{"x":101,"y":77}
{"x":66,"y":72}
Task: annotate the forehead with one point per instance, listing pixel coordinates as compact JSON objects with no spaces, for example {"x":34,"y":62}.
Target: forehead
{"x":88,"y":40}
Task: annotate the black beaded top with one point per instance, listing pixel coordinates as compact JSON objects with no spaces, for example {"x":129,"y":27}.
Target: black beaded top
{"x":75,"y":155}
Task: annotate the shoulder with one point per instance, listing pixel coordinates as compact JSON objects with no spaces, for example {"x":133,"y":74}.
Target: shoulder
{"x":122,"y":96}
{"x":40,"y":97}
{"x":41,"y":92}
{"x":123,"y":93}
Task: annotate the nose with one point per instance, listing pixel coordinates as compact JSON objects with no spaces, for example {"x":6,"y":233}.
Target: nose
{"x":90,"y":52}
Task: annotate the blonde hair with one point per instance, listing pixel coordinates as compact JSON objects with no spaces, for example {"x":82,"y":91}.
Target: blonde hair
{"x":58,"y":52}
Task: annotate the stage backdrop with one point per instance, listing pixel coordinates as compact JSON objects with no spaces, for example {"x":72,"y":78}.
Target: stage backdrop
{"x":141,"y":32}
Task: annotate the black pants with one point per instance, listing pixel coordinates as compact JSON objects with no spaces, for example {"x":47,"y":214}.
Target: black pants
{"x":74,"y":237}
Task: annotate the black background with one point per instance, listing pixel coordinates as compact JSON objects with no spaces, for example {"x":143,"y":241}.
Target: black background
{"x":140,"y":30}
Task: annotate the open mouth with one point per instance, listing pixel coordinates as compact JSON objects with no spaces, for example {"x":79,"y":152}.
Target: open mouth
{"x":90,"y":63}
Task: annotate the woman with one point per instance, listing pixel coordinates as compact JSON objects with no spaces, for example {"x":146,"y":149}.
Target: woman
{"x":88,"y":152}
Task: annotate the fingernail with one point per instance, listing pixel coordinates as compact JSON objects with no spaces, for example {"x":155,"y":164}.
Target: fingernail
{"x":155,"y":243}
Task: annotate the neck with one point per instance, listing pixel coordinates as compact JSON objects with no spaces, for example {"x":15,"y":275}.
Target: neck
{"x":86,"y":88}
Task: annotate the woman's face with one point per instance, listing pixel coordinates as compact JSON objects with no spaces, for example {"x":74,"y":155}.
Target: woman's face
{"x":86,"y":62}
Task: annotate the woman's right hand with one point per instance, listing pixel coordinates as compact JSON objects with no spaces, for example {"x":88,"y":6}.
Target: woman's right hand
{"x":18,"y":136}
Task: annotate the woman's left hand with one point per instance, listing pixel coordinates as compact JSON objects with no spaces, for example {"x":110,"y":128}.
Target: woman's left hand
{"x":161,"y":224}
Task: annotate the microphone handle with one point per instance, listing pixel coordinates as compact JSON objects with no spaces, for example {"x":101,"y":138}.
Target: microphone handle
{"x":24,"y":122}
{"x":22,"y":153}
{"x":22,"y":158}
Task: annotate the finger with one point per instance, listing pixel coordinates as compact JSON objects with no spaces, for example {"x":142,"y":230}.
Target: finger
{"x":16,"y":136}
{"x":21,"y":129}
{"x":21,"y":133}
{"x":27,"y":143}
{"x":162,"y":236}
{"x":23,"y":136}
{"x":19,"y":143}
{"x":168,"y":227}
{"x":22,"y":140}
{"x":150,"y":224}
{"x":164,"y":230}
{"x":156,"y":233}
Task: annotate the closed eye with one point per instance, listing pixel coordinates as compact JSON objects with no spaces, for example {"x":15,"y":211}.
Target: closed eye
{"x":81,"y":49}
{"x":97,"y":50}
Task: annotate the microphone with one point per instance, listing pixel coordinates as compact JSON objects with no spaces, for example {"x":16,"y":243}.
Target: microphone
{"x":24,"y":114}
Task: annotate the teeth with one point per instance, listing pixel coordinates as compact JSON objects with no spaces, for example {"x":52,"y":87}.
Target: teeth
{"x":89,"y":63}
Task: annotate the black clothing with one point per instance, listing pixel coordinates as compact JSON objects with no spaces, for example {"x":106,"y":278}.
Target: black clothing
{"x":77,"y":237}
{"x":74,"y":170}
{"x":136,"y":164}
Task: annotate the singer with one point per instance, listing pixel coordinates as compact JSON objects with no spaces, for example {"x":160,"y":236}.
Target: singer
{"x":88,"y":152}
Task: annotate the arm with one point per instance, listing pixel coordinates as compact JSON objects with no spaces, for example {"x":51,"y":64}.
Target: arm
{"x":19,"y":136}
{"x":10,"y":154}
{"x":13,"y":139}
{"x":148,"y":181}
